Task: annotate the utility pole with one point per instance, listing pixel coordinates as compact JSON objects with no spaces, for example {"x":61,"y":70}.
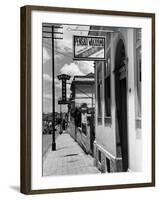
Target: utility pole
{"x":51,"y":35}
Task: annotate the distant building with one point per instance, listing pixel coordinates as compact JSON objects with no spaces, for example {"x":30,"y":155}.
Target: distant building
{"x":81,"y":109}
{"x":82,"y":88}
{"x":118,"y":137}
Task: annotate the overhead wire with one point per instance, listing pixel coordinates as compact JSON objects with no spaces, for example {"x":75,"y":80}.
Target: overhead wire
{"x":57,"y":51}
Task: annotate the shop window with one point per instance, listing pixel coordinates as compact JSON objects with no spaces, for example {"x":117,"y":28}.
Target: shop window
{"x":99,"y":92}
{"x":107,"y":89}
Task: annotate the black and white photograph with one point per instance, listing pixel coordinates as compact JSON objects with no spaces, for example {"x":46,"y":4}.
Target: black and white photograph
{"x":91,"y":99}
{"x":88,"y":104}
{"x":79,"y":100}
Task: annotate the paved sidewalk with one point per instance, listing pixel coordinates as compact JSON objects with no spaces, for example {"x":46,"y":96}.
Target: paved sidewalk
{"x":47,"y":140}
{"x":68,"y":159}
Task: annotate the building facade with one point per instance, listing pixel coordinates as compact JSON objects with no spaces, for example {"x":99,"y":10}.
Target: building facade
{"x":118,"y":136}
{"x":81,"y":111}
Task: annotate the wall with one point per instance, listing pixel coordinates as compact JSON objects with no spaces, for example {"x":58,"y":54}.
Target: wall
{"x":10,"y":103}
{"x":134,"y":142}
{"x":104,"y":134}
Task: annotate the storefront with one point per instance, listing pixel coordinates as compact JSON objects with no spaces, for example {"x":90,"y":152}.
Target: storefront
{"x":82,"y":109}
{"x":118,"y":137}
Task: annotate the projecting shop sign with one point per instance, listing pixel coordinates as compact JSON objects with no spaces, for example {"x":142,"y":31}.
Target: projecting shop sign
{"x":89,"y":48}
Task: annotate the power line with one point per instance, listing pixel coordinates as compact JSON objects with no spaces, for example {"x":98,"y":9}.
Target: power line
{"x":50,"y":44}
{"x":52,"y":37}
{"x":55,"y":46}
{"x":60,"y":52}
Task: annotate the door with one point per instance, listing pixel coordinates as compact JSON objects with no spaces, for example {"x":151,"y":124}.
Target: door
{"x":90,"y":123}
{"x":121,"y":101}
{"x":92,"y":134}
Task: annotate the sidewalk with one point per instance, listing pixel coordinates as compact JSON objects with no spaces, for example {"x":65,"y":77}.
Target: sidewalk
{"x":47,"y":140}
{"x":68,"y":159}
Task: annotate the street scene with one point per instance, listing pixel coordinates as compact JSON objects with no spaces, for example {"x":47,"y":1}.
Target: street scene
{"x":91,"y":120}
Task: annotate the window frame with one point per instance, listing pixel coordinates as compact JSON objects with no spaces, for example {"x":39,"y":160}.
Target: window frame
{"x":138,"y":77}
{"x":99,"y":92}
{"x":107,"y":77}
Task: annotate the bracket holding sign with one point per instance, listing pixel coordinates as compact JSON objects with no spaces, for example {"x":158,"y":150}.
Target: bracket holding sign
{"x":88,"y":48}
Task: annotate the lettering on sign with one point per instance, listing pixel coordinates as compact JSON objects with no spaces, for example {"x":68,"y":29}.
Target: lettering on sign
{"x":89,"y":48}
{"x":64,"y":90}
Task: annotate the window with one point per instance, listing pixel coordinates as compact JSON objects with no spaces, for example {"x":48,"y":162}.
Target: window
{"x":99,"y":92}
{"x":84,"y":130}
{"x":138,"y":76}
{"x":99,"y":156}
{"x":108,"y":164}
{"x":107,"y":89}
{"x":138,"y":35}
{"x":108,"y":39}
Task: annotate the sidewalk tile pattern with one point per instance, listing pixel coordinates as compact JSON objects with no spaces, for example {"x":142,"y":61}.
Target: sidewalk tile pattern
{"x":68,"y":159}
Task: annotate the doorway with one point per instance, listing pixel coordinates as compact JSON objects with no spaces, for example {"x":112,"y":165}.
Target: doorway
{"x":121,"y":101}
{"x":92,"y":134}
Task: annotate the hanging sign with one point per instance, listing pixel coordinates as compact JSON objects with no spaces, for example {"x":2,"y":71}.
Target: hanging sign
{"x":64,"y":89}
{"x":89,"y":48}
{"x":63,"y":78}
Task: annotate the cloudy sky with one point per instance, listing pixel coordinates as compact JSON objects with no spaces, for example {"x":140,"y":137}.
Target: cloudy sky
{"x":64,"y":64}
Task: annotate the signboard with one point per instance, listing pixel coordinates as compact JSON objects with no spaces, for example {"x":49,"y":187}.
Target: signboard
{"x":63,"y":78}
{"x":89,"y":48}
{"x":63,"y":102}
{"x":64,"y":89}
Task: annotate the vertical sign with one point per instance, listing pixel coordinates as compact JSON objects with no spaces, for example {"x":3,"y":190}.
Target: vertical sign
{"x":63,"y":78}
{"x":63,"y":89}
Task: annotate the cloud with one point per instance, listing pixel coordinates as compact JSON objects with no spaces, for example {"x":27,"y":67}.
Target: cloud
{"x":68,"y":91}
{"x":64,"y":45}
{"x":71,"y":69}
{"x":48,"y":97}
{"x":47,"y":77}
{"x":86,"y":67}
{"x":78,"y":68}
{"x":57,"y":83}
{"x":46,"y":55}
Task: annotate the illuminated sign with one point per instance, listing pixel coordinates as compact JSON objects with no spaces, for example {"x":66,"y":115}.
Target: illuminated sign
{"x":63,"y":78}
{"x":63,"y":89}
{"x":89,"y":48}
